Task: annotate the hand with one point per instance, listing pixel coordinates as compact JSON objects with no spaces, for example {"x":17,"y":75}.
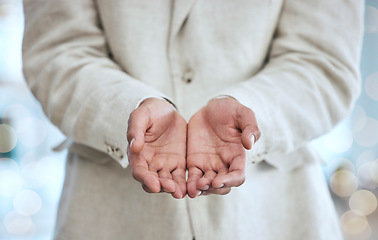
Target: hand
{"x":218,"y":135}
{"x":157,"y":149}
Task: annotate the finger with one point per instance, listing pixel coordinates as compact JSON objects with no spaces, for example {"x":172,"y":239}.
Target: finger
{"x":142,"y":175}
{"x":164,"y":173}
{"x":152,"y":182}
{"x":218,"y":191}
{"x":166,"y":182}
{"x":235,"y":176}
{"x":146,"y":189}
{"x":231,"y":179}
{"x":194,"y":174}
{"x":167,"y":185}
{"x":248,"y":138}
{"x":216,"y":183}
{"x":137,"y":126}
{"x":179,"y":177}
{"x":205,"y":182}
{"x":246,"y":121}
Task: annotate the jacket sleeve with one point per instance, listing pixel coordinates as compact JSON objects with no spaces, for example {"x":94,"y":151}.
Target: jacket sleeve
{"x":69,"y":70}
{"x":311,"y":79}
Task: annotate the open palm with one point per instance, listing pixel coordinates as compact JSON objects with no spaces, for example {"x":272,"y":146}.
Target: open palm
{"x":157,"y":150}
{"x":218,"y":135}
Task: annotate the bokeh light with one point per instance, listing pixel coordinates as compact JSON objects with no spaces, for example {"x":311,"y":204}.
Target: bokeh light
{"x":374,"y":171}
{"x":364,"y":157}
{"x":9,"y":164}
{"x":35,"y":134}
{"x":345,"y":164}
{"x":29,"y":157}
{"x":10,"y":179}
{"x":18,"y":224}
{"x":19,"y":115}
{"x":371,"y":86}
{"x":368,"y":135}
{"x":355,"y":226}
{"x":363,"y":202}
{"x":339,"y":164}
{"x":31,"y":175}
{"x":358,"y":118}
{"x":353,"y":223}
{"x":38,"y":173}
{"x":371,"y":19}
{"x":8,"y":139}
{"x":343,"y":183}
{"x":29,"y":207}
{"x":365,"y":177}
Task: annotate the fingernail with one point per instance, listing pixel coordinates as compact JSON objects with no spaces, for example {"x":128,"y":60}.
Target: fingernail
{"x":206,"y":187}
{"x":252,"y":141}
{"x":200,"y":192}
{"x":131,"y":142}
{"x":221,"y":186}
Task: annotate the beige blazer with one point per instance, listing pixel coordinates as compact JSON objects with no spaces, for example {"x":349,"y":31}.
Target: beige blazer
{"x":293,"y":62}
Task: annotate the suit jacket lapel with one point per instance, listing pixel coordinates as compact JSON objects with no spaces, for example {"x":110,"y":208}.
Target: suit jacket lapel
{"x":180,"y":11}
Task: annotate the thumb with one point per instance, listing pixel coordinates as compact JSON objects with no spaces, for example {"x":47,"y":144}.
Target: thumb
{"x":247,"y":123}
{"x":137,"y":126}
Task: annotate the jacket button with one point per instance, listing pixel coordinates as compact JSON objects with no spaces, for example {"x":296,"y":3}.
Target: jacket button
{"x":188,"y":76}
{"x":109,"y":149}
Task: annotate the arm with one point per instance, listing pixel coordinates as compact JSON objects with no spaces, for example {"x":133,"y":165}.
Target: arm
{"x":67,"y":64}
{"x":309,"y":84}
{"x":311,"y":79}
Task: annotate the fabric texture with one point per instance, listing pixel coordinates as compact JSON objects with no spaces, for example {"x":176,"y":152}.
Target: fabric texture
{"x":294,"y":63}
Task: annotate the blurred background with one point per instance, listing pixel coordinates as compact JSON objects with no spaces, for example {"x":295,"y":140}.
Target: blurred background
{"x":31,"y":174}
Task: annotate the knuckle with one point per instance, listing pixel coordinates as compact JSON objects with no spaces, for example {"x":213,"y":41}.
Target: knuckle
{"x":131,"y":116}
{"x":130,"y":127}
{"x":247,"y":111}
{"x":135,"y":114}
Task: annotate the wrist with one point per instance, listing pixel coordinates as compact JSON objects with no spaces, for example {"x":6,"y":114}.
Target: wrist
{"x":223,"y":99}
{"x":159,"y":100}
{"x":223,"y":96}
